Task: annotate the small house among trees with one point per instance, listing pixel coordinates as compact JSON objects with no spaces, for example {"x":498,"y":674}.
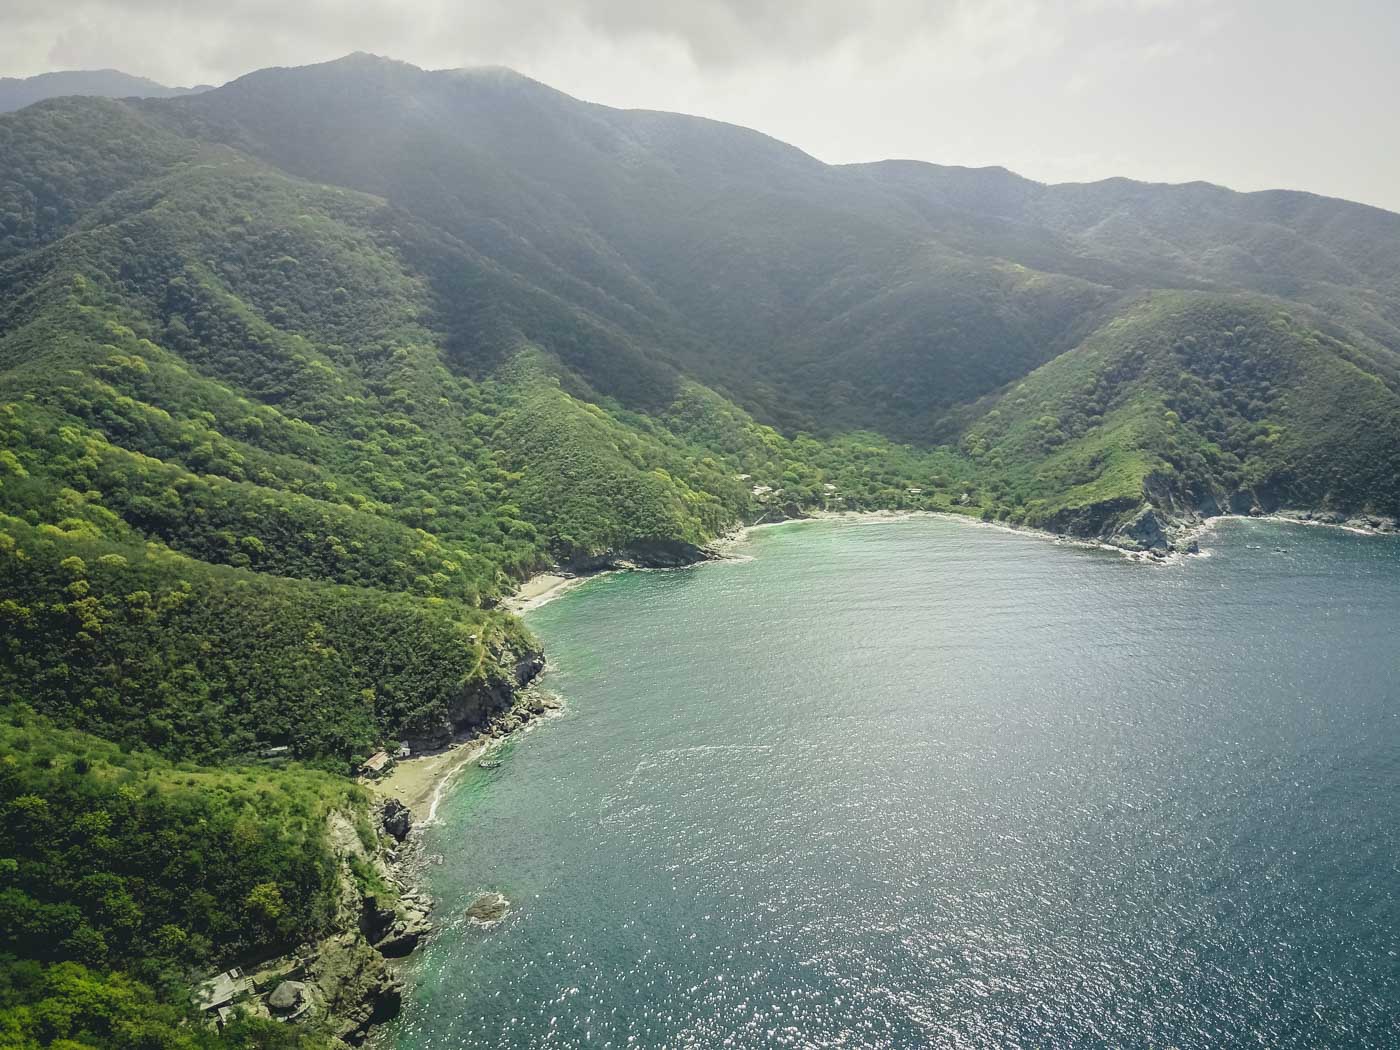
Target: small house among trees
{"x":376,"y":765}
{"x":221,"y":990}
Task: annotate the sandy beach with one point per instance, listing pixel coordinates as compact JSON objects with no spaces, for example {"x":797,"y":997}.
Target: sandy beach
{"x":538,"y":589}
{"x":418,"y":781}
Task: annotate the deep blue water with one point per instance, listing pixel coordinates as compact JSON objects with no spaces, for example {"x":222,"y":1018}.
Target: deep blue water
{"x":920,"y":783}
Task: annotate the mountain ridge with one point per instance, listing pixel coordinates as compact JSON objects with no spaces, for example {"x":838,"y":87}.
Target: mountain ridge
{"x":300,"y":376}
{"x":18,"y":92}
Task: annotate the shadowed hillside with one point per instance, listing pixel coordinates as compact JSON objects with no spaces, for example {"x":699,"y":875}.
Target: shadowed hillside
{"x":301,"y":375}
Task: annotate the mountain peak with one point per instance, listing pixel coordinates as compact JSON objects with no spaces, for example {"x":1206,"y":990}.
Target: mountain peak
{"x":366,"y":60}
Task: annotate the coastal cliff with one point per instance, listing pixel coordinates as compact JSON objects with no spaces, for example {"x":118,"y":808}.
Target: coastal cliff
{"x":1168,"y":516}
{"x":513,"y":666}
{"x":344,"y":982}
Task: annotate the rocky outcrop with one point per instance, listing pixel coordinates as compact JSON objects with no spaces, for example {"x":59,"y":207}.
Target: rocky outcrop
{"x":395,"y":819}
{"x":531,"y":705}
{"x":1372,"y":523}
{"x":1169,"y":520}
{"x":488,"y":909}
{"x":377,"y":917}
{"x":1156,"y":525}
{"x":1157,"y":533}
{"x":346,"y":983}
{"x":355,"y":986}
{"x":651,"y":554}
{"x":289,"y":999}
{"x":1152,"y":531}
{"x":351,"y":980}
{"x":477,"y":706}
{"x":528,"y":666}
{"x":411,"y":924}
{"x":1182,"y":504}
{"x":1093,"y":521}
{"x":1144,"y":532}
{"x":1360,"y":522}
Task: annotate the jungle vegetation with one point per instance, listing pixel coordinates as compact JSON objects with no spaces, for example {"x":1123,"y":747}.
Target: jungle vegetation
{"x":299,"y":376}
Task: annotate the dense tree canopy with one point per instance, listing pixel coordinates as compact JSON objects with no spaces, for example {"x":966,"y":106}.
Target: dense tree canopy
{"x":286,"y":409}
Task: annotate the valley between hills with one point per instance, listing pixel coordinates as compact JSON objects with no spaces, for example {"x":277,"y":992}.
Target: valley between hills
{"x":301,"y":376}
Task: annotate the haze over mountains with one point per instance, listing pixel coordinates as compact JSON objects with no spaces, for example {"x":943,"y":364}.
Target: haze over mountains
{"x":423,"y":332}
{"x":300,"y":375}
{"x":1055,"y":354}
{"x":821,"y":298}
{"x":18,"y":92}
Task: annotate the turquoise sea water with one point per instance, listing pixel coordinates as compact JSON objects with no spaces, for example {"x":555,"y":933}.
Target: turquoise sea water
{"x":920,"y":783}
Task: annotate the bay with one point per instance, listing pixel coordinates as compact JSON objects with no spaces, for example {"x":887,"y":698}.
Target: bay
{"x":914,"y":782}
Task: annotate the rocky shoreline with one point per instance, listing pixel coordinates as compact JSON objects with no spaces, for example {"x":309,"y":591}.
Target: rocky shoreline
{"x":386,"y":913}
{"x":350,"y":982}
{"x":345,"y":982}
{"x":1151,"y":533}
{"x":1157,"y":535}
{"x":1365,"y":524}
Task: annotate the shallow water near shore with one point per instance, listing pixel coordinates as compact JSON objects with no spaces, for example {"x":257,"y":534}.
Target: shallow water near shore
{"x":918,"y":783}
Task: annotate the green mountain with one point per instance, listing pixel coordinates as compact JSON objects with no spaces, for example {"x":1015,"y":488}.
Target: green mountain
{"x":18,"y":92}
{"x":885,"y":297}
{"x":299,"y":376}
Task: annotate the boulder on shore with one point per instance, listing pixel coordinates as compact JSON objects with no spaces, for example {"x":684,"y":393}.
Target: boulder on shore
{"x":407,"y":932}
{"x":396,"y":819}
{"x":287,"y":997}
{"x":1144,"y":532}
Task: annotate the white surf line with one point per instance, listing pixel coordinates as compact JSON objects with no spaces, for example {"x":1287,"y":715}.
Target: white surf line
{"x":490,"y":746}
{"x":449,"y":777}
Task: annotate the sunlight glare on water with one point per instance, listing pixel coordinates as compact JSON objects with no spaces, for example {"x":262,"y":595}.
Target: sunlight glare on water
{"x":919,"y":783}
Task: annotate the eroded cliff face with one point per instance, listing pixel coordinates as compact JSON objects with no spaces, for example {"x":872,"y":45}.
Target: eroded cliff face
{"x":477,"y":706}
{"x":346,"y":982}
{"x":1168,"y":517}
{"x":1173,"y":511}
{"x":650,"y":554}
{"x":382,"y":917}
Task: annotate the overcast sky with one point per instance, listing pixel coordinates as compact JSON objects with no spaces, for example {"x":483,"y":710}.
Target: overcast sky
{"x":1302,"y":94}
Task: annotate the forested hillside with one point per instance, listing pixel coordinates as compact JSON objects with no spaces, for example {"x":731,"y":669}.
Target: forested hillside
{"x":299,"y":376}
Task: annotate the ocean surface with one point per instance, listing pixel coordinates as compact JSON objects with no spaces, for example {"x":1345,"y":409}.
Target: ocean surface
{"x":922,"y":783}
